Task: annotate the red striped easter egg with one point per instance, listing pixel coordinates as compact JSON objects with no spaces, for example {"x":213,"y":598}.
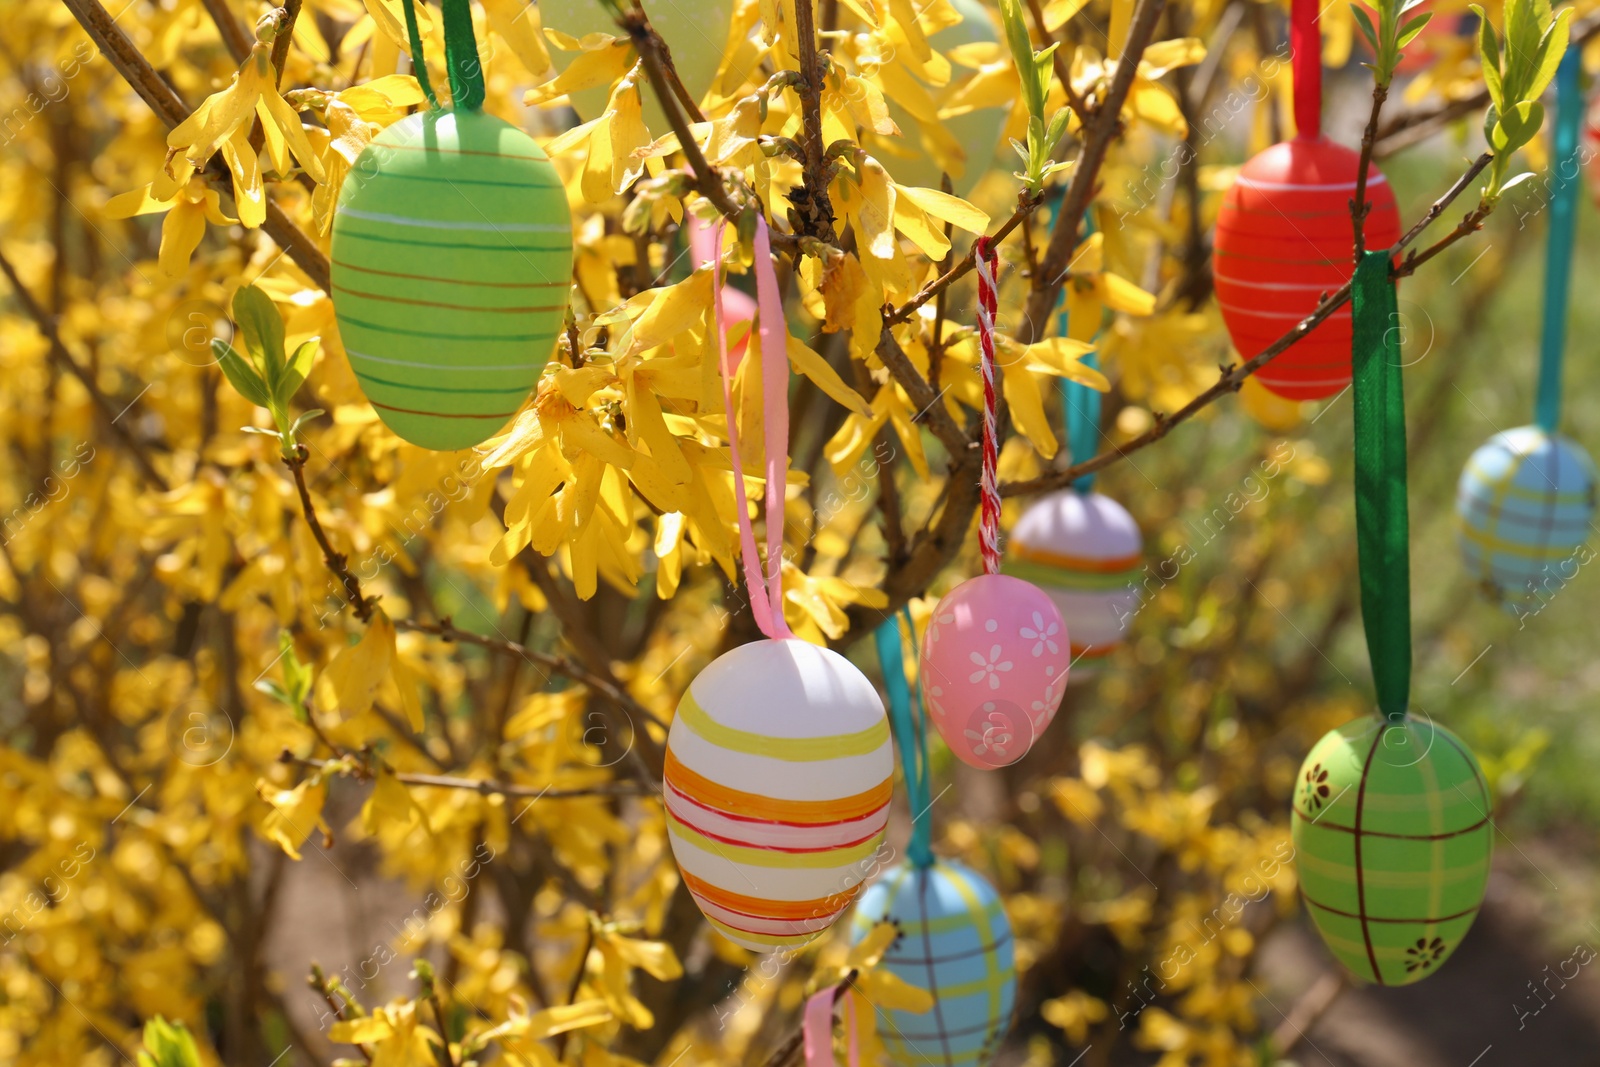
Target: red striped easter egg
{"x":1283,"y":239}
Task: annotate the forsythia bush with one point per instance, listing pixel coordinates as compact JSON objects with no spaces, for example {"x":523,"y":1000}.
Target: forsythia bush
{"x":261,"y":656}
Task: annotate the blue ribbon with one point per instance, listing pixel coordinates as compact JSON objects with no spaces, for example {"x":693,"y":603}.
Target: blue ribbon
{"x":1080,"y":405}
{"x":910,"y":735}
{"x":1563,"y":229}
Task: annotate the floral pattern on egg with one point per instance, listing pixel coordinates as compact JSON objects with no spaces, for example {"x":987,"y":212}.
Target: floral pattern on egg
{"x":994,"y":667}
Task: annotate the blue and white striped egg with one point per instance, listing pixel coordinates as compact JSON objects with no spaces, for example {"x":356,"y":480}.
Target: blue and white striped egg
{"x":1525,"y":503}
{"x":955,"y":942}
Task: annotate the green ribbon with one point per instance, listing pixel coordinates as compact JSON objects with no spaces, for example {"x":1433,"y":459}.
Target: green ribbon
{"x":461,"y":57}
{"x":1382,"y":527}
{"x":1563,"y":228}
{"x":419,"y":65}
{"x":910,"y":735}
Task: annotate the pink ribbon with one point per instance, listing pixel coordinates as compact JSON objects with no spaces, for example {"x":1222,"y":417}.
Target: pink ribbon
{"x":817,"y":1029}
{"x":766,"y":594}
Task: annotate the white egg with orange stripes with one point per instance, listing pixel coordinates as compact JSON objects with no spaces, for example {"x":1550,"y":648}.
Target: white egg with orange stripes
{"x":1085,"y":551}
{"x":777,"y":783}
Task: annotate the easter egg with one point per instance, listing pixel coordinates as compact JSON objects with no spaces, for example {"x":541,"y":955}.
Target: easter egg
{"x":777,"y":784}
{"x":1524,"y":506}
{"x":696,"y":33}
{"x":1084,"y":550}
{"x":955,"y":942}
{"x":993,"y":668}
{"x":976,"y":133}
{"x":1283,"y":239}
{"x":452,"y":260}
{"x":1392,"y":840}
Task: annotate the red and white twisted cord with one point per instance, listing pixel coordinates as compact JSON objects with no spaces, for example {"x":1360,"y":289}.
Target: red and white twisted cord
{"x":987,"y":263}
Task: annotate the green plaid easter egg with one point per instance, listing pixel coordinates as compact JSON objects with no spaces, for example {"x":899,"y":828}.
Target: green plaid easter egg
{"x":1392,"y":838}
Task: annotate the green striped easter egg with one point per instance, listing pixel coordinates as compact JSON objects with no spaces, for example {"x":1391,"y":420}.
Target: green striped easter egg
{"x":452,"y":254}
{"x":1392,"y":838}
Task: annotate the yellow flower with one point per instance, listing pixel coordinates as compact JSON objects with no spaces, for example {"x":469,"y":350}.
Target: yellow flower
{"x":1074,"y":1013}
{"x":189,"y":207}
{"x":254,"y":92}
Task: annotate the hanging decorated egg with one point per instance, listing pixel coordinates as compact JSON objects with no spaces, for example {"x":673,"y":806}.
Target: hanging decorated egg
{"x":1084,"y":550}
{"x":777,"y":784}
{"x":955,"y":942}
{"x":1525,"y":503}
{"x":1283,"y":239}
{"x":994,"y":666}
{"x":974,"y":134}
{"x":452,"y":259}
{"x":696,"y":33}
{"x":1392,"y":840}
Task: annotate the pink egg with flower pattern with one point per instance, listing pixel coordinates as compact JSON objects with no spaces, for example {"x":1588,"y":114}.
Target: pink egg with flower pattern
{"x":994,"y":666}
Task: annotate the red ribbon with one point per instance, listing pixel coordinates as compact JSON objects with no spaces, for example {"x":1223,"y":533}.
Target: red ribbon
{"x":766,"y":590}
{"x":1305,"y":48}
{"x":986,"y":260}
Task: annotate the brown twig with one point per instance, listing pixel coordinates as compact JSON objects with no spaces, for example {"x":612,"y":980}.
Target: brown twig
{"x":1305,"y":1012}
{"x":1026,"y":205}
{"x":484,"y":786}
{"x":336,"y":561}
{"x":328,"y":989}
{"x":234,"y":35}
{"x":707,"y":178}
{"x":1104,"y":127}
{"x":171,"y":110}
{"x":280,"y":43}
{"x":58,"y":352}
{"x":1358,"y":204}
{"x":811,"y":201}
{"x":563,"y":665}
{"x":1233,"y":377}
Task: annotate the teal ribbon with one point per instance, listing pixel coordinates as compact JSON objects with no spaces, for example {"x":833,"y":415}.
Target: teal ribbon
{"x":910,"y":735}
{"x":419,"y":65}
{"x":1563,"y":230}
{"x":1080,"y":405}
{"x":461,"y":56}
{"x":1382,"y":525}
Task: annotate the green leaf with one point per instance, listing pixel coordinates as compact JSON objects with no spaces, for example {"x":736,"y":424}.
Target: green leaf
{"x":296,"y":675}
{"x":262,"y":327}
{"x":1552,"y":46}
{"x":1512,"y":183}
{"x":299,"y":366}
{"x":1518,"y":126}
{"x":1489,"y":54}
{"x":1364,"y":24}
{"x":241,"y":375}
{"x":1409,"y":31}
{"x":168,"y":1045}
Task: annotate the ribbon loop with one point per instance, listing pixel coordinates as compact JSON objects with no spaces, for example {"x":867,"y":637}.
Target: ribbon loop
{"x":1382,"y":524}
{"x":1305,"y":64}
{"x":419,"y":62}
{"x":461,"y":56}
{"x":1563,"y":230}
{"x":766,"y":588}
{"x":910,"y":735}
